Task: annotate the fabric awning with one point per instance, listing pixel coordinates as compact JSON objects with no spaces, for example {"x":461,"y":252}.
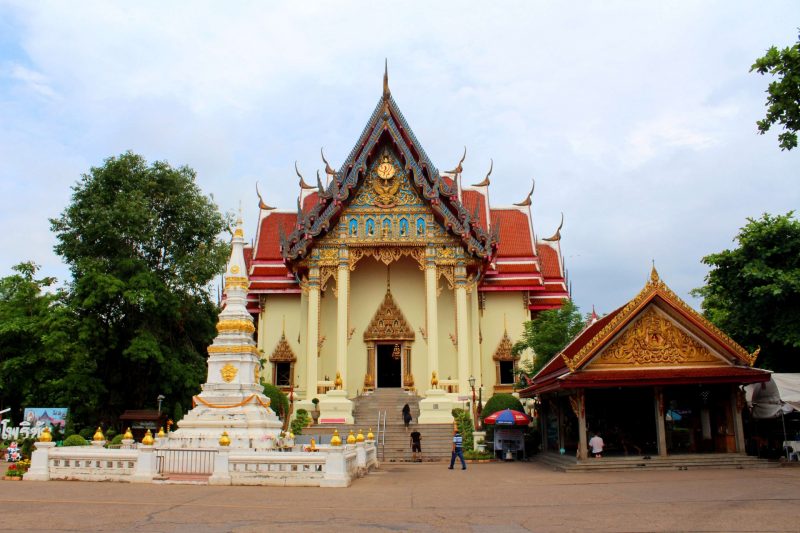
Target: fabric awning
{"x":779,"y":395}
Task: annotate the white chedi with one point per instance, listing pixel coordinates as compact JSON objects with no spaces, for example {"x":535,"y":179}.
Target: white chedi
{"x":232,"y":398}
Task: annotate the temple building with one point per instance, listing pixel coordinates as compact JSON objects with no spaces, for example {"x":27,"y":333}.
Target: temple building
{"x":392,"y":274}
{"x":653,"y":377}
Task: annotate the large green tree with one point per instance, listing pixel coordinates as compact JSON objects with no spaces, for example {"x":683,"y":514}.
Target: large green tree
{"x":783,"y":94}
{"x":36,"y":347}
{"x":753,"y":291}
{"x":143,"y":244}
{"x":548,"y":333}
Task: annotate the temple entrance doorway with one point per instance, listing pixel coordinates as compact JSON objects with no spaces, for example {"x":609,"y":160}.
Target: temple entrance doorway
{"x":625,"y":418}
{"x":389,"y":366}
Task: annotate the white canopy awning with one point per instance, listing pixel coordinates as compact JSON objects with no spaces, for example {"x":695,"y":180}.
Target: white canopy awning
{"x":781,"y":394}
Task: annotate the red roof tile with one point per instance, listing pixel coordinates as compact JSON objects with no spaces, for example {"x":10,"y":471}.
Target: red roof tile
{"x":548,"y":259}
{"x":515,"y":234}
{"x":269,"y":243}
{"x":310,"y":201}
{"x":472,"y":198}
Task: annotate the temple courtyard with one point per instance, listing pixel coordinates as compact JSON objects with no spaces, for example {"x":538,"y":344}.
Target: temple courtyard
{"x":490,"y":497}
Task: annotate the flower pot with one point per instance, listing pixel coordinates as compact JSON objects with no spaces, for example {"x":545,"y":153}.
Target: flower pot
{"x":315,"y":416}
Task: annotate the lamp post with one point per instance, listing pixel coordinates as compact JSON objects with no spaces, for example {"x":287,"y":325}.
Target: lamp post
{"x":471,"y":381}
{"x":160,"y":399}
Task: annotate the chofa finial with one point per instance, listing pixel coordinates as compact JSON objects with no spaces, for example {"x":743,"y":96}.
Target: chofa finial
{"x":527,"y":201}
{"x":557,"y":235}
{"x":459,"y":168}
{"x":261,"y":204}
{"x":303,"y":184}
{"x":486,"y":182}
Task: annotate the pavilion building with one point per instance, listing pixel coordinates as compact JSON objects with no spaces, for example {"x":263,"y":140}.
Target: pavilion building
{"x":653,"y":377}
{"x":392,"y":274}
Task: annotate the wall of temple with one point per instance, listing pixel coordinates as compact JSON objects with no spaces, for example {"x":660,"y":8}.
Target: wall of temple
{"x":503,"y":309}
{"x":277,"y":308}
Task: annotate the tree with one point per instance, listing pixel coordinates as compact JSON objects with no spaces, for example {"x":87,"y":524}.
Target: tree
{"x":753,"y":291}
{"x":783,"y":95}
{"x":142,"y":245}
{"x":548,"y":333}
{"x":35,"y":346}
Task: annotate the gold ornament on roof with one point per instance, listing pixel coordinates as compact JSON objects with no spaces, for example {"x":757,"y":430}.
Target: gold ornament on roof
{"x":385,"y":183}
{"x":98,"y":435}
{"x":148,"y":438}
{"x":228,"y":372}
{"x":45,"y":435}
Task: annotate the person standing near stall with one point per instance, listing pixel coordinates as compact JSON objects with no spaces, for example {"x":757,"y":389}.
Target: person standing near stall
{"x":458,"y":451}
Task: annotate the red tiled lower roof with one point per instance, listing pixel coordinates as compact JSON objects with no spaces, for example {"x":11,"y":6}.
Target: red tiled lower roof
{"x":548,"y":259}
{"x":515,"y":234}
{"x":310,"y":201}
{"x":269,"y":245}
{"x":472,"y":198}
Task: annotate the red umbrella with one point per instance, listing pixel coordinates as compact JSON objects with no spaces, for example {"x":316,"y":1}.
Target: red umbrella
{"x":508,"y":417}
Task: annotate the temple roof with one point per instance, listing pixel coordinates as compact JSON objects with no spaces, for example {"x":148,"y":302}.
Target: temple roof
{"x":718,"y":359}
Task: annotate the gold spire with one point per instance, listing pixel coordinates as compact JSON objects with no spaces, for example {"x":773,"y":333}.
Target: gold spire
{"x":557,"y":235}
{"x":654,"y":277}
{"x":486,"y":182}
{"x":527,"y":201}
{"x":261,"y":204}
{"x":386,"y":92}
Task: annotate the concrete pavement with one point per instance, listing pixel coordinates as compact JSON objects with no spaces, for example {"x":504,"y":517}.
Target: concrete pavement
{"x":494,"y":497}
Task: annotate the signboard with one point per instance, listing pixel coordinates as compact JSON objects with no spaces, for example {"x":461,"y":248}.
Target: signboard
{"x":48,"y":416}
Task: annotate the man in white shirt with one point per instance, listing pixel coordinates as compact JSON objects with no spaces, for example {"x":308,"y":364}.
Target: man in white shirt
{"x":596,"y":445}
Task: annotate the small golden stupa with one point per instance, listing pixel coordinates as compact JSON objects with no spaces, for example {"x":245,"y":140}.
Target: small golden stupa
{"x":224,"y":439}
{"x":161,"y":433}
{"x":127,"y":435}
{"x":370,"y":436}
{"x":351,"y":439}
{"x":360,"y":436}
{"x":98,"y":435}
{"x":336,"y":440}
{"x":46,"y":436}
{"x":148,"y":439}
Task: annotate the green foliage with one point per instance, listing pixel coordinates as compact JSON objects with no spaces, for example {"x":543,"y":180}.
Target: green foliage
{"x":301,"y":420}
{"x":87,"y":433}
{"x":26,"y":446}
{"x":500,"y":402}
{"x":36,"y":340}
{"x":117,"y":440}
{"x":110,"y":434}
{"x":753,"y":291}
{"x":475,"y":455}
{"x":463,"y":420}
{"x":75,"y":440}
{"x":177,"y":413}
{"x":783,"y":95}
{"x":279,"y":402}
{"x":548,"y":334}
{"x":142,"y":244}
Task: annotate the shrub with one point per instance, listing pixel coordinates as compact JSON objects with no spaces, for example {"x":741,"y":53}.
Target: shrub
{"x":177,"y":413}
{"x":475,"y":454}
{"x":117,"y":440}
{"x":301,"y":420}
{"x":87,"y":433}
{"x":279,"y":402}
{"x":110,"y":434}
{"x":499,"y":402}
{"x":26,"y":447}
{"x":75,"y":440}
{"x":463,"y":420}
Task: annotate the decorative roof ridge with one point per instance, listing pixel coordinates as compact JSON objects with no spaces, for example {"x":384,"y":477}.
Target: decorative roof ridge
{"x":654,"y":287}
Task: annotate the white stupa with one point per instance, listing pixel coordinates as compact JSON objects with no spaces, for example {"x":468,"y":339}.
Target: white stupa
{"x":232,"y":398}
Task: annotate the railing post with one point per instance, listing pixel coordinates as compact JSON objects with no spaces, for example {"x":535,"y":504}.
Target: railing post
{"x":40,"y":468}
{"x":146,"y":465}
{"x":335,"y":469}
{"x":221,"y":475}
{"x":361,"y":458}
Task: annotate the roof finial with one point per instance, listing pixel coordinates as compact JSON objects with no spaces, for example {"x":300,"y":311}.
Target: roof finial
{"x":654,"y":278}
{"x":527,"y":201}
{"x":328,"y":170}
{"x":303,"y":184}
{"x":459,"y":168}
{"x":239,"y":220}
{"x":485,"y":182}
{"x":386,"y":92}
{"x":261,"y":204}
{"x":557,"y":235}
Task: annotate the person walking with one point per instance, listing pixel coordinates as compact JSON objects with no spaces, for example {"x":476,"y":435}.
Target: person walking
{"x":458,"y":451}
{"x":406,"y":415}
{"x":416,"y":446}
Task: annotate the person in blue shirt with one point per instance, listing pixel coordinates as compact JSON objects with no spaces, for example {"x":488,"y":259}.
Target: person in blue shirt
{"x":458,"y":451}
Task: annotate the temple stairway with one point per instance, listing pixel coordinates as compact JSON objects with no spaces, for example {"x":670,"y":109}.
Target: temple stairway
{"x":436,"y":438}
{"x":564,"y":463}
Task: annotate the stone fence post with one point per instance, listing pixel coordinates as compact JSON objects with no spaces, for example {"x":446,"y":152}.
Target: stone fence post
{"x":40,"y":468}
{"x":146,"y":465}
{"x":221,"y":474}
{"x":335,"y":469}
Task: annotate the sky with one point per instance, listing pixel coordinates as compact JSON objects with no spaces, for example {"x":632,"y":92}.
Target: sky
{"x":637,"y":119}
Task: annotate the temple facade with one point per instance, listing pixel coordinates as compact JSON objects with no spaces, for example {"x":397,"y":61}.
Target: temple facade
{"x":392,"y":274}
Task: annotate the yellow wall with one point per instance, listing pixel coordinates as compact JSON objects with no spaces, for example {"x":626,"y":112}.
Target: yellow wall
{"x":277,"y":308}
{"x":500,"y":306}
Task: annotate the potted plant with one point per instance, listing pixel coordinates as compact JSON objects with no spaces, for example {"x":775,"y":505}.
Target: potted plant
{"x":315,"y":412}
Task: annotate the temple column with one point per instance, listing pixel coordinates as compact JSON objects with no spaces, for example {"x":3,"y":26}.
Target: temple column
{"x":661,"y":429}
{"x":462,"y":331}
{"x":580,"y":412}
{"x":431,"y":282}
{"x":312,"y":337}
{"x":738,"y":425}
{"x":342,"y":306}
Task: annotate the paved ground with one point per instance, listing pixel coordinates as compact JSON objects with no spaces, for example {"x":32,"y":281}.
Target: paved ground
{"x":494,"y":497}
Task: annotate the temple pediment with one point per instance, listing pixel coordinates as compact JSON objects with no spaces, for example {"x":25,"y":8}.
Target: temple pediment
{"x":388,"y":323}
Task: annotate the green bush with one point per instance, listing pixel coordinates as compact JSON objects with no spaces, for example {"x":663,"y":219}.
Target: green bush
{"x":301,"y":420}
{"x":110,"y":434}
{"x":474,"y":454}
{"x":87,"y":433}
{"x":499,"y":402}
{"x":117,"y":440}
{"x":279,"y":402}
{"x":26,"y":446}
{"x":75,"y":440}
{"x":463,"y":419}
{"x":177,"y":413}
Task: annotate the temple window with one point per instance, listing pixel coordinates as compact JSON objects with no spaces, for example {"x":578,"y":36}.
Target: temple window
{"x":283,"y":360}
{"x":420,"y":227}
{"x":283,"y":374}
{"x":505,"y":361}
{"x":506,"y":370}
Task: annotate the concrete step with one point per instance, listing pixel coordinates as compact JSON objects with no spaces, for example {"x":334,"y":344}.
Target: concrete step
{"x":675,"y":462}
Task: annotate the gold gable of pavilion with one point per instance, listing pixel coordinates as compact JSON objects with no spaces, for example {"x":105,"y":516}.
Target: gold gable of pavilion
{"x":653,"y":339}
{"x":503,"y":351}
{"x":389,"y":323}
{"x":283,"y":352}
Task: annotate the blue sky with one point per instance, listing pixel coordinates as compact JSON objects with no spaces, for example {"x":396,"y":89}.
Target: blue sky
{"x":637,"y":119}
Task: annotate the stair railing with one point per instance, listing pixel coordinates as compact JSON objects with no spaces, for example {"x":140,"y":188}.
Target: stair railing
{"x":380,"y":441}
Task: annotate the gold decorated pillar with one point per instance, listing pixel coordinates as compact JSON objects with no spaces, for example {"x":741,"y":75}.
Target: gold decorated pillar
{"x":462,"y":328}
{"x":312,"y":337}
{"x":342,"y":306}
{"x":431,"y":282}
